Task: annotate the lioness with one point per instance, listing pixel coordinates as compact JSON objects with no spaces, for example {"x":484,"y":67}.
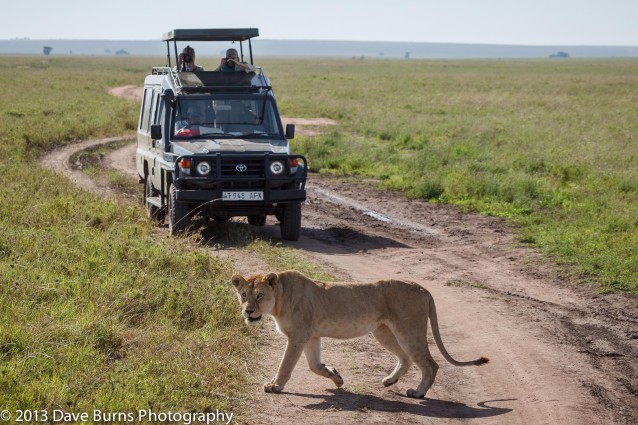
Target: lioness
{"x":305,"y":310}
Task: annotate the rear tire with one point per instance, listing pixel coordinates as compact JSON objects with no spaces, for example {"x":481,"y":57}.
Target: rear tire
{"x":290,"y":222}
{"x":179,"y":218}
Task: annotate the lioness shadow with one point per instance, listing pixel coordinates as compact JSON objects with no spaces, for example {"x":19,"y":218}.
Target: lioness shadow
{"x":345,"y":400}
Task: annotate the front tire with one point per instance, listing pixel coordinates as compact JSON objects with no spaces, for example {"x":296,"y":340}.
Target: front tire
{"x":152,"y":212}
{"x":179,"y":218}
{"x":290,"y":222}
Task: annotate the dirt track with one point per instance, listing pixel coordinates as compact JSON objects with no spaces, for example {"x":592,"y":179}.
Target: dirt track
{"x":559,"y":353}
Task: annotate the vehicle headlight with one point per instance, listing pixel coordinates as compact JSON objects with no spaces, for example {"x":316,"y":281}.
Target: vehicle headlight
{"x":203,"y":168}
{"x":277,"y":167}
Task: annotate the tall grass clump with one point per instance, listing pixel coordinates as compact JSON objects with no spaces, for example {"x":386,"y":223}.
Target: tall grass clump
{"x":97,"y":310}
{"x":550,"y":145}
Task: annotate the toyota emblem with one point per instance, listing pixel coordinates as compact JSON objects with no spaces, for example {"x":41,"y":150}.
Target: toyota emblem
{"x":241,"y":168}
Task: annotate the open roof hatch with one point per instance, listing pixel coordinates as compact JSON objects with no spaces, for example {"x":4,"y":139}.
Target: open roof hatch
{"x":217,"y":34}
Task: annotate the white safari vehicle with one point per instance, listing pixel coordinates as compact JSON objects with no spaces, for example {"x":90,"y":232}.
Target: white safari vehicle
{"x":212,"y":144}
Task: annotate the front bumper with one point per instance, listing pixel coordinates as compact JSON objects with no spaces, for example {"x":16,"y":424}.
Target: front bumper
{"x":241,"y":172}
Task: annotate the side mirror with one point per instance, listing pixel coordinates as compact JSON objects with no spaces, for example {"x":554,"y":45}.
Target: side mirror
{"x":156,"y":131}
{"x":290,"y":131}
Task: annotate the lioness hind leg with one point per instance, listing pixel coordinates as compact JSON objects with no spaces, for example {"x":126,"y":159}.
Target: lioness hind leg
{"x":384,"y":335}
{"x":429,"y":369}
{"x":414,"y":343}
{"x":312,"y":350}
{"x":422,"y":358}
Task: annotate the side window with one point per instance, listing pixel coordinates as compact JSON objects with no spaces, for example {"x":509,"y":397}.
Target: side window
{"x":146,"y":106}
{"x":153,"y":110}
{"x":159,"y":110}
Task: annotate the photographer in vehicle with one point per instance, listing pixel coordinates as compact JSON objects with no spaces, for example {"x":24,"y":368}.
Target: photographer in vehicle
{"x":231,"y":63}
{"x":187,"y":60}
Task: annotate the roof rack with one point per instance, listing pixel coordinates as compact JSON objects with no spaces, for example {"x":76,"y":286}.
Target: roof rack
{"x":227,"y":34}
{"x":215,"y":81}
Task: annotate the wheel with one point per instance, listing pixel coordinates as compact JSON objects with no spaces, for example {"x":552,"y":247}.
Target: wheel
{"x":290,"y":223}
{"x":153,"y":212}
{"x":257,"y":220}
{"x":179,"y":218}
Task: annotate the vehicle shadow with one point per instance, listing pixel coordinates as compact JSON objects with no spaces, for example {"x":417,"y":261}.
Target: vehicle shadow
{"x":346,"y":240}
{"x":327,"y":241}
{"x":230,"y":234}
{"x":332,"y":240}
{"x":344,"y":400}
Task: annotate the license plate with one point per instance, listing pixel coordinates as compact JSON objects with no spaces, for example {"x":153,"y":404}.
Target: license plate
{"x":243,"y":196}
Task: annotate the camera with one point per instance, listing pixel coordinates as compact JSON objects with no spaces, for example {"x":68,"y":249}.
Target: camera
{"x":230,"y":62}
{"x":186,"y":58}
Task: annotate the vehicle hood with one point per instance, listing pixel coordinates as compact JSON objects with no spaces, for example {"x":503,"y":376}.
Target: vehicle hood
{"x":204,"y":146}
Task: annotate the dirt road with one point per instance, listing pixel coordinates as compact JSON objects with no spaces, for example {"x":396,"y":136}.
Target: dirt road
{"x":559,"y":353}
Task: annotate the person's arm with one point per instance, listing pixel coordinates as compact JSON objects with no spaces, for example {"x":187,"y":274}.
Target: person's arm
{"x":219,"y":67}
{"x":245,"y":66}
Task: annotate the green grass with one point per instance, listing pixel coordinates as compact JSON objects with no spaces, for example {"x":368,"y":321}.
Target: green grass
{"x":98,"y":312}
{"x":550,"y":145}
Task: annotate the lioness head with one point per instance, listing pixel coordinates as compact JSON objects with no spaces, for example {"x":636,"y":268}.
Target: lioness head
{"x":256,"y":294}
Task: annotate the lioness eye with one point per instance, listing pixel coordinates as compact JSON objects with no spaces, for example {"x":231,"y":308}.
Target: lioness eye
{"x":260,"y":296}
{"x":243,"y":296}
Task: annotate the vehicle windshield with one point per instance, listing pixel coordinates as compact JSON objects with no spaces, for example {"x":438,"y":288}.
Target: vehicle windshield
{"x":214,"y":117}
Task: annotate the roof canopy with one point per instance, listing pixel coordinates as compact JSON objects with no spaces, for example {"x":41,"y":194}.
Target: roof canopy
{"x":225,"y":34}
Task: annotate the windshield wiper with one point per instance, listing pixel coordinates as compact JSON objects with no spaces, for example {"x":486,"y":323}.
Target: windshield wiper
{"x":259,"y":135}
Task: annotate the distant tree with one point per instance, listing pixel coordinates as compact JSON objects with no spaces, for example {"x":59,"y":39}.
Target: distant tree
{"x":121,"y":52}
{"x":47,"y":50}
{"x":407,"y":55}
{"x":559,"y":55}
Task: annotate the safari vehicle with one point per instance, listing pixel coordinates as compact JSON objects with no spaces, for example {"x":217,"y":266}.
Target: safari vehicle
{"x":212,"y":144}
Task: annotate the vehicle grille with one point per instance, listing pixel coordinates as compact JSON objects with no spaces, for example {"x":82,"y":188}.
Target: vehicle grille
{"x":235,"y":168}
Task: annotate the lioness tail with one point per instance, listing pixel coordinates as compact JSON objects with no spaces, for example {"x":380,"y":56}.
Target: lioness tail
{"x":439,"y":342}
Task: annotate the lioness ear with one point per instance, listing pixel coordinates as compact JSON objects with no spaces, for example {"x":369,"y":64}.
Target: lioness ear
{"x":236,"y":280}
{"x":271,"y":279}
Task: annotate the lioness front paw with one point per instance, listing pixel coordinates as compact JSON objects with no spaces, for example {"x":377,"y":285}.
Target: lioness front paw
{"x":416,"y":394}
{"x":271,"y":387}
{"x":336,"y":378}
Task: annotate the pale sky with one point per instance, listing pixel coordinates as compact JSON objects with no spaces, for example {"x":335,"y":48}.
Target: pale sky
{"x":521,"y":22}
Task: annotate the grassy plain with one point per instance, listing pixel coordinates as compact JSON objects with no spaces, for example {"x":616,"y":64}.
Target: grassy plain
{"x":552,"y":145}
{"x":97,"y":312}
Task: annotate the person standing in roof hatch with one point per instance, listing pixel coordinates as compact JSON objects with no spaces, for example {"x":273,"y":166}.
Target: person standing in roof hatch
{"x":187,"y":60}
{"x":231,"y":63}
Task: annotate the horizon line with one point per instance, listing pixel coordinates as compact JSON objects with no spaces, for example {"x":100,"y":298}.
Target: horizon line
{"x":340,"y":41}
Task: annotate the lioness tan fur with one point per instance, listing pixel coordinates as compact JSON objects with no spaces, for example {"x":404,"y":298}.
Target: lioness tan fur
{"x":396,"y":312}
